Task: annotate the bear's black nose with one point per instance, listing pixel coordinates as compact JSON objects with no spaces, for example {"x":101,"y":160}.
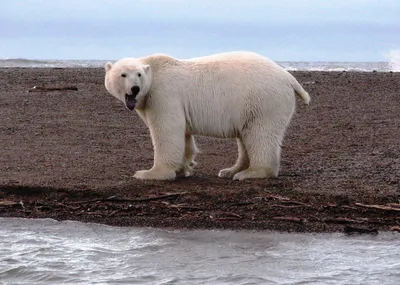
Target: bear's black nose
{"x":135,"y":90}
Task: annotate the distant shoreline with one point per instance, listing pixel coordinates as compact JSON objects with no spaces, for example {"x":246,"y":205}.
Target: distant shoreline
{"x":290,"y":70}
{"x":380,"y":66}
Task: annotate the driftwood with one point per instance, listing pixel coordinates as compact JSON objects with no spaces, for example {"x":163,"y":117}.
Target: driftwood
{"x":395,"y":229}
{"x":356,"y":230}
{"x":288,"y":219}
{"x":8,"y":203}
{"x":144,"y":199}
{"x":53,"y":87}
{"x":241,"y":204}
{"x":183,"y":206}
{"x":287,"y":203}
{"x":378,"y":207}
{"x":341,"y":221}
{"x":231,"y":214}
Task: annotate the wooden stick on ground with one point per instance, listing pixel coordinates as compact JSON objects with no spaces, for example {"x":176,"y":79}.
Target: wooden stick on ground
{"x":378,"y":207}
{"x":53,"y":87}
{"x":288,"y":219}
{"x":356,"y":230}
{"x":144,"y":199}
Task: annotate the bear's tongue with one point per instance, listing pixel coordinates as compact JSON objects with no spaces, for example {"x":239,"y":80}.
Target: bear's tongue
{"x":130,"y":101}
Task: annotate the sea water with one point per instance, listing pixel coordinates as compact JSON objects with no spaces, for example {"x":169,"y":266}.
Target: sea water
{"x":45,"y":251}
{"x":392,"y":64}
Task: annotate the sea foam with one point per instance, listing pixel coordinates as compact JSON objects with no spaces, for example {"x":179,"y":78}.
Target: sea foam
{"x":394,"y":60}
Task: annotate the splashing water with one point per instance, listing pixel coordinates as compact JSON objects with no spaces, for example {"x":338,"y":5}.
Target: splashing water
{"x":394,"y":60}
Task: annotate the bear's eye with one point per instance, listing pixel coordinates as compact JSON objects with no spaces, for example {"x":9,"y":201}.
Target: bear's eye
{"x":123,"y":74}
{"x":139,"y":74}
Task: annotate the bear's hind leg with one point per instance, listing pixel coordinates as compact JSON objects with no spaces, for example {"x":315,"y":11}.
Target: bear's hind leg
{"x":263,"y":148}
{"x":241,"y":163}
{"x":191,"y":151}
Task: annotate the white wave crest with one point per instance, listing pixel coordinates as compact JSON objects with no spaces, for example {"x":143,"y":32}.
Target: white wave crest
{"x":394,"y":60}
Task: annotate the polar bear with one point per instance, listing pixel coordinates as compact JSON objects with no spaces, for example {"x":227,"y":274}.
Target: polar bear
{"x":240,"y":95}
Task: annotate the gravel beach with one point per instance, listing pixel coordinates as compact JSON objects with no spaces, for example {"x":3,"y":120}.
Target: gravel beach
{"x":70,"y":155}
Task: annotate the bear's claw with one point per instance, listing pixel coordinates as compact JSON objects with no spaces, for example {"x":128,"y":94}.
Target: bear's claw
{"x":227,"y":172}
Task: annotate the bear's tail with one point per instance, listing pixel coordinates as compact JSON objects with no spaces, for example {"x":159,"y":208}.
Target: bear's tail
{"x":300,"y":92}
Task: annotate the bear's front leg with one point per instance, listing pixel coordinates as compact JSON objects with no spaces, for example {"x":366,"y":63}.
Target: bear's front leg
{"x":169,"y":148}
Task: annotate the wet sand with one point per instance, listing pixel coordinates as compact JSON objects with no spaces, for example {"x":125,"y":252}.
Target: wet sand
{"x":71,"y":155}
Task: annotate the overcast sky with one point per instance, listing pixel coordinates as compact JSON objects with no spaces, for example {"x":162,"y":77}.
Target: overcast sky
{"x":302,"y":30}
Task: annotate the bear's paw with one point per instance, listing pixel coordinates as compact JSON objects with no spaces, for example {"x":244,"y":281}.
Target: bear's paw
{"x":252,"y":173}
{"x":155,"y":174}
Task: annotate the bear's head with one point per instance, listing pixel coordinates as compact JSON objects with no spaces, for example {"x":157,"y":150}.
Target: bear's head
{"x":129,"y":80}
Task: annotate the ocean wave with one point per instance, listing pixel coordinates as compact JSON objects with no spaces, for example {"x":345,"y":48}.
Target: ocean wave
{"x":336,"y":66}
{"x":394,"y":60}
{"x":393,"y":64}
{"x":24,"y":62}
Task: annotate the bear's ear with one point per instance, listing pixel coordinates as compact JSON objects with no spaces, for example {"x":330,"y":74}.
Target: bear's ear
{"x":146,"y":68}
{"x":108,"y":66}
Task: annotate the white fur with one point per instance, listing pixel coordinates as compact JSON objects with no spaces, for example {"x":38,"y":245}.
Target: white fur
{"x":238,"y":95}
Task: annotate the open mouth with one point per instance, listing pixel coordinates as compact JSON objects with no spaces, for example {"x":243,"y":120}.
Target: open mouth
{"x":130,"y":101}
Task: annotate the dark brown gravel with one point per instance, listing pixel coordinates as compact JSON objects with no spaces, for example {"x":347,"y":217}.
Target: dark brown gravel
{"x":71,"y":155}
